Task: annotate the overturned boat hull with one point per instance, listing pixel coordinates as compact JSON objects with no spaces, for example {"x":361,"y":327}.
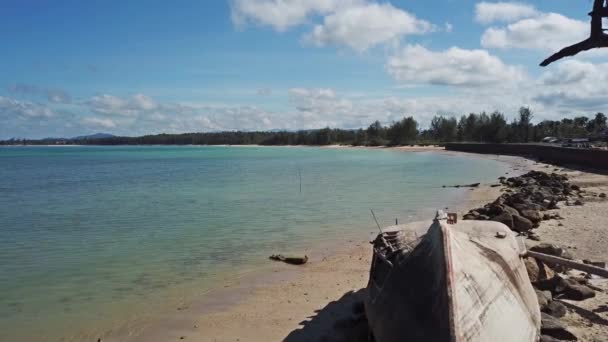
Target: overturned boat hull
{"x":460,"y":283}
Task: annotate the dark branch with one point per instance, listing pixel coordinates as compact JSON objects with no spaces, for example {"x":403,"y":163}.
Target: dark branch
{"x":572,"y":50}
{"x":597,"y":38}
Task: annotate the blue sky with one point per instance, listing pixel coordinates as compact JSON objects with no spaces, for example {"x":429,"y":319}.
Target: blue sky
{"x":136,"y":67}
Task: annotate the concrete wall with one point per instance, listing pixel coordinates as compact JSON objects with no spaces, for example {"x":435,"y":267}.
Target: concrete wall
{"x":561,"y":155}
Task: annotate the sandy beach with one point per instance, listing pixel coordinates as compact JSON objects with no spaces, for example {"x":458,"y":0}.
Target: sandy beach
{"x":314,"y":302}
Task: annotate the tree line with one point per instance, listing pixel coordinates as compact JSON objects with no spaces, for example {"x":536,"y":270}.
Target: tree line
{"x":475,"y":127}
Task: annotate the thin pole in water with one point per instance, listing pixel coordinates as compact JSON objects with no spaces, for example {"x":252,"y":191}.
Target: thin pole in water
{"x":378,"y":224}
{"x":300,"y":175}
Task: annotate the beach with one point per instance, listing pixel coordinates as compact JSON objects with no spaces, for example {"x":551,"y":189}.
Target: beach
{"x":316,"y":301}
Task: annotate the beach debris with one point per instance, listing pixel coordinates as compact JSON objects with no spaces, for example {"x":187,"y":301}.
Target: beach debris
{"x":293,"y":260}
{"x":474,"y":185}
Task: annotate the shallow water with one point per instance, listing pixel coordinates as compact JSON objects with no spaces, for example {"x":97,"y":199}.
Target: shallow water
{"x":97,"y":237}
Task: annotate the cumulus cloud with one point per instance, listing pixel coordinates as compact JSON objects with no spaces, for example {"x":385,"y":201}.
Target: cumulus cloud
{"x":51,"y":94}
{"x":357,"y":24}
{"x":574,"y":85}
{"x":415,"y":64}
{"x":488,"y":12}
{"x":361,"y":27}
{"x":122,"y":106}
{"x":546,"y":31}
{"x":283,"y":14}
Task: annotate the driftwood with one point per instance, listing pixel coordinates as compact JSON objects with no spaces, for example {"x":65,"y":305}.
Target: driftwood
{"x":597,"y":38}
{"x":293,"y":260}
{"x":598,"y":271}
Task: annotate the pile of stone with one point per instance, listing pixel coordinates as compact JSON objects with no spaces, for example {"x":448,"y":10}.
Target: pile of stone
{"x":526,"y":197}
{"x":551,"y":288}
{"x":526,"y":202}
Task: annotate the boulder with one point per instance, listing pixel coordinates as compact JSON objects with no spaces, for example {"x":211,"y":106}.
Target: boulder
{"x":538,"y":271}
{"x":521,"y":224}
{"x":547,"y":248}
{"x":555,"y":309}
{"x":510,"y":210}
{"x":504,"y":218}
{"x":572,"y":290}
{"x":551,"y":326}
{"x":533,"y":236}
{"x":532,"y":215}
{"x":544,"y":298}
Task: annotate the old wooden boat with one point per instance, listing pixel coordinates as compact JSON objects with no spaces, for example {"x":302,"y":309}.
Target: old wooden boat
{"x":450,"y":282}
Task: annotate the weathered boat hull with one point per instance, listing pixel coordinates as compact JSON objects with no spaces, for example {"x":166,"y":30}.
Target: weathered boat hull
{"x":457,"y":283}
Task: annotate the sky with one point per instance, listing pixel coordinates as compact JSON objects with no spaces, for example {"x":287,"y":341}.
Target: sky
{"x":72,"y":67}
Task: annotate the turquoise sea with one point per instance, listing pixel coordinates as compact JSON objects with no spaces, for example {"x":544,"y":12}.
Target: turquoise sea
{"x":92,"y":238}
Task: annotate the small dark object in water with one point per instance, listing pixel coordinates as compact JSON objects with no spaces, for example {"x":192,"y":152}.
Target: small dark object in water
{"x":290,"y":259}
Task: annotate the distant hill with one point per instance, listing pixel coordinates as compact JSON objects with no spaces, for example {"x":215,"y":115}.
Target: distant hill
{"x":94,"y":136}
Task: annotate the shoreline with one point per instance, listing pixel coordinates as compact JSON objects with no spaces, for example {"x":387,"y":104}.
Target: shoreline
{"x":290,"y":292}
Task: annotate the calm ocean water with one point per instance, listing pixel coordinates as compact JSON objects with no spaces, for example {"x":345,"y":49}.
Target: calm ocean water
{"x":95,"y":237}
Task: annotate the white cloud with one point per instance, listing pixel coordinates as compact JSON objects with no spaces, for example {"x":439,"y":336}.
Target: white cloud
{"x":94,"y":122}
{"x":23,"y":109}
{"x":415,"y":64}
{"x":283,"y":14}
{"x":364,"y":26}
{"x":488,"y":12}
{"x":114,"y":105}
{"x":574,"y":85}
{"x":548,"y":31}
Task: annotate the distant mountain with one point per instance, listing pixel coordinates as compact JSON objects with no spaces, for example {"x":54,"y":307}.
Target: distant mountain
{"x":94,"y":136}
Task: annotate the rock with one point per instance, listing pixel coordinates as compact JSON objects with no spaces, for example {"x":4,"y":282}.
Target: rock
{"x":544,"y":298}
{"x":521,"y":224}
{"x":545,"y":338}
{"x":469,"y":217}
{"x":526,"y":206}
{"x":538,"y":271}
{"x":483,"y":217}
{"x":555,"y":250}
{"x":532,"y":215}
{"x":575,"y":187}
{"x":555,"y":309}
{"x":578,"y":202}
{"x":570,"y":289}
{"x":551,"y":326}
{"x":504,"y":218}
{"x":547,"y":248}
{"x":602,"y":195}
{"x":533,"y":236}
{"x":510,"y":210}
{"x":293,"y":260}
